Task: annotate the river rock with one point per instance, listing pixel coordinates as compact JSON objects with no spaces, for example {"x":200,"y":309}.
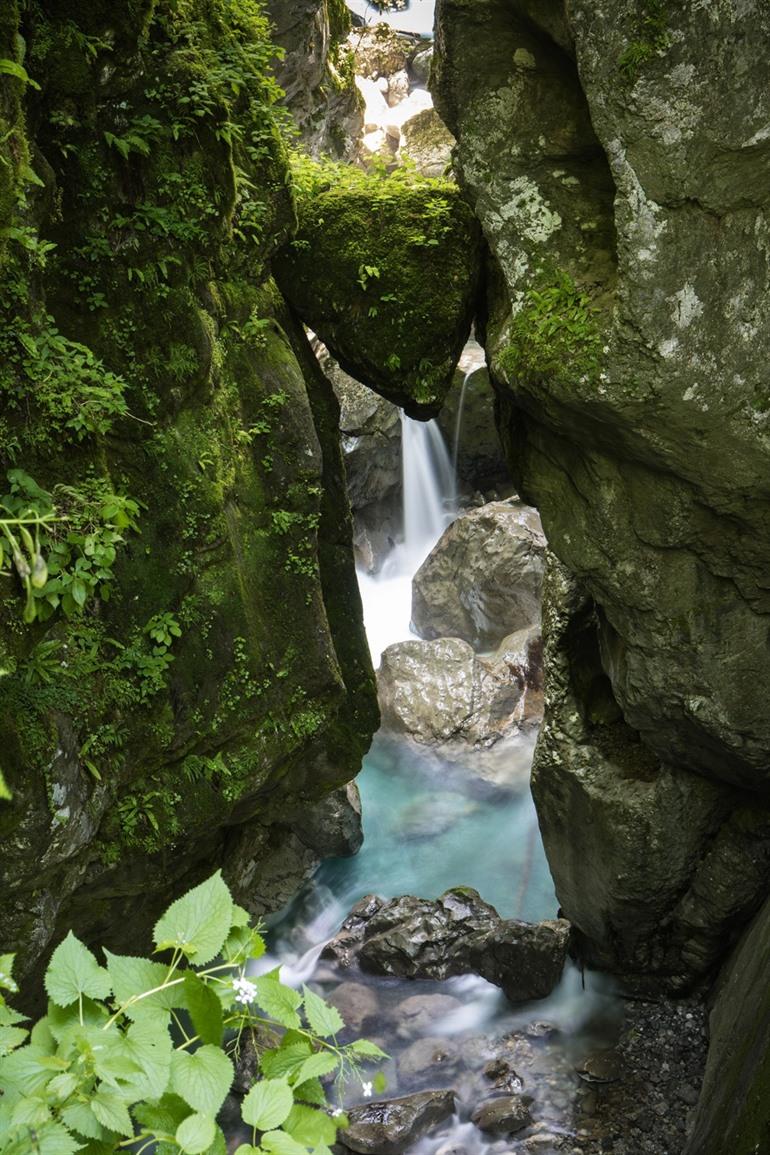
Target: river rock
{"x":483,"y":580}
{"x":457,"y":934}
{"x":428,"y":1059}
{"x":419,"y":1013}
{"x":355,"y":1002}
{"x":427,"y":143}
{"x":502,"y":1116}
{"x":390,"y":1126}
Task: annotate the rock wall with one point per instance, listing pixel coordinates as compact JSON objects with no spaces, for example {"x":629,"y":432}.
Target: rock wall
{"x":155,"y":386}
{"x":616,"y":156}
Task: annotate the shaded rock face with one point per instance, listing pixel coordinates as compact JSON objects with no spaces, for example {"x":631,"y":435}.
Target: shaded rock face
{"x":481,"y":463}
{"x":389,"y":1127}
{"x":657,"y":867}
{"x":457,"y":934}
{"x":614,"y":166}
{"x":483,"y":579}
{"x":137,"y":769}
{"x":316,"y":74}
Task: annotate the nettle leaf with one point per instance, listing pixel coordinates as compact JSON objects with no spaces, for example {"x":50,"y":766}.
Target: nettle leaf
{"x":205,"y":1009}
{"x":11,"y":1038}
{"x":278,"y":1001}
{"x":21,"y":1073}
{"x":366,"y":1049}
{"x":7,"y":981}
{"x":62,"y":1086}
{"x":324,"y":1019}
{"x":310,"y":1126}
{"x":196,"y":1133}
{"x":64,"y":1022}
{"x":284,"y":1060}
{"x":198,"y":923}
{"x":73,"y":972}
{"x":111,"y":1111}
{"x":149,"y":1044}
{"x":32,"y":1112}
{"x":203,"y":1078}
{"x":311,"y":1092}
{"x":279,"y":1143}
{"x":80,"y":1118}
{"x":267,"y":1104}
{"x":317,"y":1065}
{"x":165,"y":1115}
{"x":55,"y":1139}
{"x":133,"y":976}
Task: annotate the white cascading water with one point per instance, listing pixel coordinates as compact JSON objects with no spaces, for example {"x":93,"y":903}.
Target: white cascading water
{"x":429,"y":504}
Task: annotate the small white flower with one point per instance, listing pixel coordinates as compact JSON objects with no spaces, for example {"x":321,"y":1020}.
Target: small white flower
{"x":606,"y":349}
{"x":245,"y":991}
{"x":336,"y":1112}
{"x":367,"y":1090}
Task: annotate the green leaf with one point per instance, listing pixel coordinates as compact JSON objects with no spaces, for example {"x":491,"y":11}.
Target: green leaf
{"x":367,"y":1050}
{"x":310,"y":1092}
{"x":198,"y":923}
{"x":278,"y":1001}
{"x":7,"y":981}
{"x":31,"y":1111}
{"x":205,"y":1009}
{"x":203,"y":1078}
{"x":73,"y":971}
{"x":55,"y":1139}
{"x":196,"y":1134}
{"x":62,"y":1086}
{"x":21,"y":1073}
{"x":284,"y":1059}
{"x":267,"y":1104}
{"x":133,"y":976}
{"x":323,"y":1019}
{"x":279,"y":1143}
{"x":165,"y":1115}
{"x":317,"y":1065}
{"x":11,"y":1038}
{"x":310,"y":1126}
{"x":149,"y":1044}
{"x":11,"y":68}
{"x":111,"y":1111}
{"x":247,"y":1149}
{"x":80,"y":1118}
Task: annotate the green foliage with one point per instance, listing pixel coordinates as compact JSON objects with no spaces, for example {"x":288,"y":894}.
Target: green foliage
{"x":62,"y":546}
{"x":131,"y":1053}
{"x":652,"y":37}
{"x":555,"y":332}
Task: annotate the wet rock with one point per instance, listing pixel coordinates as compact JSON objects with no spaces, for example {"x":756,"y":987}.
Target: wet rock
{"x":430,"y":1059}
{"x":343,"y":948}
{"x":390,"y":1126}
{"x":332,"y":828}
{"x":481,"y":463}
{"x":502,"y":1116}
{"x":483,"y":580}
{"x":457,"y":934}
{"x":419,"y":65}
{"x":599,"y":1067}
{"x":355,"y":1002}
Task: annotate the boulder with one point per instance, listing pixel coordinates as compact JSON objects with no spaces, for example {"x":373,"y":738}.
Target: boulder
{"x":502,"y":1116}
{"x":456,"y":934}
{"x":446,"y":699}
{"x":428,"y":1060}
{"x":483,"y":579}
{"x":419,"y":65}
{"x":379,"y":51}
{"x":398,"y":87}
{"x":427,"y":143}
{"x":390,"y":1126}
{"x":419,"y":1013}
{"x":355,"y":1002}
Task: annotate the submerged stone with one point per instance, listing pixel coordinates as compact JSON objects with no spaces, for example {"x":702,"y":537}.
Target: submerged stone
{"x":390,"y":1126}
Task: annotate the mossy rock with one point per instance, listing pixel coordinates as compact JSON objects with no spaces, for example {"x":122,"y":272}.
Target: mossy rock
{"x":385,"y":269}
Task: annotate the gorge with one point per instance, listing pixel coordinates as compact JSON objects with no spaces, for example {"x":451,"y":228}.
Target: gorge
{"x":194,"y":195}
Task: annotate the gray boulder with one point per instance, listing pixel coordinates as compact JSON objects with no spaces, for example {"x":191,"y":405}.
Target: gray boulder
{"x":457,"y":934}
{"x":427,"y":142}
{"x":390,"y":1126}
{"x":483,"y":579}
{"x":502,"y":1116}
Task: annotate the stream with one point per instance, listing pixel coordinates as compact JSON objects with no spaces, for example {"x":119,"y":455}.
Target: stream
{"x":430,"y":825}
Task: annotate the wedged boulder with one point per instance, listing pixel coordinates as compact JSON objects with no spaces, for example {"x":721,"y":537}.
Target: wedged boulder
{"x":456,"y":934}
{"x":385,"y":269}
{"x":483,"y":579}
{"x":440,"y":694}
{"x":427,"y":142}
{"x":389,"y":1126}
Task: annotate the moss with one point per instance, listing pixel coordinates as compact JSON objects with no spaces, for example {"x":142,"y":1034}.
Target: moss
{"x":651,"y":37}
{"x":384,"y":268}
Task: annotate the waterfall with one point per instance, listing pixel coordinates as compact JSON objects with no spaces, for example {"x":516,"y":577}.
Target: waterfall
{"x":429,"y":505}
{"x":459,"y":423}
{"x":428,"y":488}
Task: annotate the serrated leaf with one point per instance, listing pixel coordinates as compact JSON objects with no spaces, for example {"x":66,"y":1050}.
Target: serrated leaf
{"x":7,"y":981}
{"x":267,"y":1104}
{"x":64,"y":1022}
{"x":279,"y":1143}
{"x":11,"y":1038}
{"x":21,"y":1073}
{"x":277,"y":1001}
{"x":367,"y":1050}
{"x":62,"y":1086}
{"x":205,"y":1009}
{"x":310,"y":1126}
{"x":55,"y":1139}
{"x":239,"y":917}
{"x":133,"y":976}
{"x":310,"y":1092}
{"x":149,"y":1044}
{"x":73,"y":972}
{"x":198,"y":923}
{"x":203,"y":1078}
{"x":195,"y":1134}
{"x":31,"y":1111}
{"x":317,"y":1065}
{"x":9,"y":1016}
{"x":80,"y":1118}
{"x":111,"y":1111}
{"x":247,"y":1149}
{"x":284,"y":1059}
{"x":324,"y":1019}
{"x":165,"y":1115}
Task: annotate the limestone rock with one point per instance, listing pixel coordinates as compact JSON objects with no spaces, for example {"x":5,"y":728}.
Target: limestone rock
{"x":427,"y":142}
{"x":380,"y":51}
{"x":502,"y":1115}
{"x":481,"y":463}
{"x":457,"y":934}
{"x":419,"y":64}
{"x":483,"y":579}
{"x":390,"y":1126}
